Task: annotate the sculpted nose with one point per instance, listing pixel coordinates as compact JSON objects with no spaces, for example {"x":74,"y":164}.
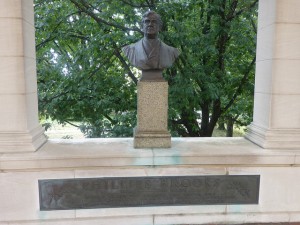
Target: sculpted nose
{"x":152,"y":22}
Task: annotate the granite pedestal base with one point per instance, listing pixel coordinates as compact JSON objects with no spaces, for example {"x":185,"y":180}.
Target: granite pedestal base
{"x":152,"y":140}
{"x":152,"y":116}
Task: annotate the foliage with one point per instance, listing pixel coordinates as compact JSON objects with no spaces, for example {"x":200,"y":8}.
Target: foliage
{"x":83,"y":76}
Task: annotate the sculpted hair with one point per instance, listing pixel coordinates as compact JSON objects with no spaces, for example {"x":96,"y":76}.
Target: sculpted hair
{"x":149,"y":13}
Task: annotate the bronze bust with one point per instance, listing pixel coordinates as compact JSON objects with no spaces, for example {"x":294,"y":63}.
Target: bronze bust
{"x":150,"y":53}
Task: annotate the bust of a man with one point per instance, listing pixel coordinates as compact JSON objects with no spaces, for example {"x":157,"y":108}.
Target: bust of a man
{"x":150,"y":53}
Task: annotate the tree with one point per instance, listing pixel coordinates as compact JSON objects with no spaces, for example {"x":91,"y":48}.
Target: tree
{"x":83,"y":76}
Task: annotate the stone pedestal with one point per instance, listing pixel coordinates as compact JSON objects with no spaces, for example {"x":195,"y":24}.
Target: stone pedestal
{"x":276,"y":120}
{"x":152,"y":116}
{"x":19,"y":127}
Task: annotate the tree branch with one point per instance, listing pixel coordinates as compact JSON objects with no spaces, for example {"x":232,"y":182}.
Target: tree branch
{"x":85,"y":8}
{"x":240,"y":87}
{"x":51,"y":38}
{"x":112,"y":121}
{"x":56,"y":96}
{"x":232,"y":10}
{"x":122,"y":60}
{"x":72,"y":124}
{"x":243,"y":10}
{"x":135,"y":5}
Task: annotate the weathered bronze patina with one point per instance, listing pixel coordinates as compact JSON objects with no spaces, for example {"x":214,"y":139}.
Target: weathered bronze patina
{"x":150,"y":53}
{"x":113,"y":192}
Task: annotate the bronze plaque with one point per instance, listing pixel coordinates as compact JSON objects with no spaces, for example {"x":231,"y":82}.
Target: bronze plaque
{"x":110,"y":192}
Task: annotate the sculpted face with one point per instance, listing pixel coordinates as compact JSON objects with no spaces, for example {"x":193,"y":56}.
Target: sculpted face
{"x":151,"y":25}
{"x":150,"y":53}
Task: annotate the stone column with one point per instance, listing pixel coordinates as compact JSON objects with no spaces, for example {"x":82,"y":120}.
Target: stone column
{"x":152,"y":112}
{"x":276,"y":122}
{"x":19,"y":127}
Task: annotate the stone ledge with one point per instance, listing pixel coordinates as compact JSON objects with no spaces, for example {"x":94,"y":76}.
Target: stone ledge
{"x":27,"y":141}
{"x":119,"y":152}
{"x":274,"y":138}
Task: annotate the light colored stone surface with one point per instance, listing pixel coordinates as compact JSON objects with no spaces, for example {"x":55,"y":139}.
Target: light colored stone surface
{"x":277,"y":76}
{"x":283,"y":139}
{"x":20,"y":112}
{"x":152,"y":115}
{"x":117,"y":158}
{"x":278,"y":11}
{"x":149,"y":171}
{"x":279,"y":181}
{"x":30,"y":75}
{"x":32,"y":118}
{"x":140,"y":211}
{"x":287,"y":11}
{"x":297,"y":159}
{"x":287,"y":41}
{"x":119,"y":152}
{"x":276,"y":117}
{"x":279,"y":169}
{"x":19,"y":127}
{"x":12,"y":68}
{"x":28,"y":39}
{"x":278,"y":41}
{"x":27,"y":11}
{"x":267,"y":13}
{"x":262,"y":109}
{"x":238,"y":218}
{"x":286,"y":77}
{"x":83,"y":153}
{"x":266,"y":41}
{"x":145,"y":220}
{"x":13,"y":114}
{"x":277,"y":111}
{"x":28,"y":141}
{"x":285,"y":112}
{"x":20,"y":198}
{"x":263,"y":74}
{"x":294,"y":217}
{"x":10,"y":9}
{"x":17,"y":28}
{"x":11,"y":41}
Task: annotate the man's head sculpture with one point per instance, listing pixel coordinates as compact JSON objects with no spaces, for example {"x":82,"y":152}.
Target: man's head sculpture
{"x":150,"y":53}
{"x":151,"y":24}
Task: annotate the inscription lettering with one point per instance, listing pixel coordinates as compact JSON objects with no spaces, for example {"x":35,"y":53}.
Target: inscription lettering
{"x":147,"y":191}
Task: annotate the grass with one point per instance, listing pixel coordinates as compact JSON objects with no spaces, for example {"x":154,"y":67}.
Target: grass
{"x":237,"y":132}
{"x":59,"y":131}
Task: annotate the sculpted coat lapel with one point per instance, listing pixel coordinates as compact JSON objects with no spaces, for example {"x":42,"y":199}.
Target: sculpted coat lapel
{"x":138,"y":57}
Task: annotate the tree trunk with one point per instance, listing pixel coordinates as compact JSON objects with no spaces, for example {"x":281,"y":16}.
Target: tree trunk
{"x":221,"y":124}
{"x":229,"y":131}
